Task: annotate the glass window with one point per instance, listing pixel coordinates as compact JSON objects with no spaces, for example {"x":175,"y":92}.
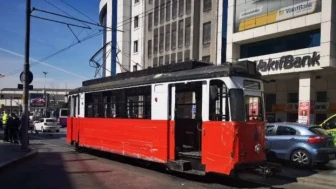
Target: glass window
{"x":161,"y":61}
{"x":167,"y":37}
{"x":161,"y":38}
{"x":149,"y":48}
{"x":150,"y":1}
{"x":174,"y":9}
{"x":207,"y":33}
{"x":181,"y":7}
{"x":321,"y":96}
{"x":156,"y":40}
{"x":136,"y":1}
{"x":269,"y":129}
{"x":218,"y":107}
{"x":180,"y":33}
{"x":206,"y":58}
{"x":162,"y":11}
{"x":254,"y":108}
{"x":168,"y":7}
{"x":284,"y":130}
{"x":282,"y":44}
{"x":188,"y":6}
{"x":270,"y":100}
{"x":155,"y":61}
{"x":156,"y":13}
{"x":187,"y":31}
{"x":135,"y":68}
{"x":136,"y":21}
{"x":237,"y":105}
{"x":50,"y":120}
{"x":187,"y":55}
{"x":320,"y":117}
{"x":173,"y":36}
{"x":135,"y":46}
{"x":292,"y":98}
{"x":150,"y":21}
{"x":179,"y":57}
{"x":206,"y":5}
{"x":318,"y":131}
{"x":167,"y":59}
{"x":173,"y":58}
{"x":330,"y":124}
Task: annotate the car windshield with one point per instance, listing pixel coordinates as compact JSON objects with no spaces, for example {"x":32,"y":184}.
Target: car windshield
{"x":318,"y":130}
{"x":50,"y":120}
{"x":64,"y":112}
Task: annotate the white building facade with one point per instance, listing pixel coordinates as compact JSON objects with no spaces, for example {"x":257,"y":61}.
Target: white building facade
{"x":158,"y":32}
{"x":293,"y":44}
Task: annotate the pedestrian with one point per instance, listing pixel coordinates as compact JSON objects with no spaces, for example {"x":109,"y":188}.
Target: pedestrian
{"x":4,"y":123}
{"x":14,"y":128}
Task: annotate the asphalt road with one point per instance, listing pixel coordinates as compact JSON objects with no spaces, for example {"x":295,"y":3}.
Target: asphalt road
{"x":58,"y":166}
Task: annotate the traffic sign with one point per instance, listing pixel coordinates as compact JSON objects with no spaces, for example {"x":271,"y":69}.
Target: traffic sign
{"x":30,"y":77}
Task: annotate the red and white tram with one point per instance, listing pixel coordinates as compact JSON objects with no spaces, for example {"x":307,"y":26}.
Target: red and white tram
{"x":192,"y":116}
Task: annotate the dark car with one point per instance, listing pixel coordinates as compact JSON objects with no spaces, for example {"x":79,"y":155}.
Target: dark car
{"x":302,"y":144}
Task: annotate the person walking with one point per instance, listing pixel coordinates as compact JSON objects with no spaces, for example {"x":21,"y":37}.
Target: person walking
{"x":4,"y":120}
{"x":14,"y":128}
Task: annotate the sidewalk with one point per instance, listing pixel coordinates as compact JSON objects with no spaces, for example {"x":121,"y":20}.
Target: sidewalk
{"x":12,"y":153}
{"x":323,"y":177}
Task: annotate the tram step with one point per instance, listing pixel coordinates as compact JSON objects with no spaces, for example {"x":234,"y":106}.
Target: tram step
{"x":179,"y":165}
{"x":194,"y":155}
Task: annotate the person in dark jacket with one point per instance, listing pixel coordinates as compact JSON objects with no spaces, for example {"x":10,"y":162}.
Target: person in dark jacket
{"x":15,"y":128}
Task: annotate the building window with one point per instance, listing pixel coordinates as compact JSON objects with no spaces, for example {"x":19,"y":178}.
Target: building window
{"x":188,"y":6}
{"x":167,"y":37}
{"x":135,"y":46}
{"x":161,"y":39}
{"x":156,"y":13}
{"x":167,"y":59}
{"x":150,"y":21}
{"x":270,"y":100}
{"x":292,"y":98}
{"x":207,"y":5}
{"x":206,"y":33}
{"x":161,"y":61}
{"x":281,"y":44}
{"x":168,"y":7}
{"x":162,"y":11}
{"x":173,"y":58}
{"x":181,"y":7}
{"x":187,"y":55}
{"x":155,"y":62}
{"x":187,"y":31}
{"x":149,"y":48}
{"x":321,"y":96}
{"x":156,"y":40}
{"x":136,"y":21}
{"x":150,"y":1}
{"x":136,"y":1}
{"x":206,"y":58}
{"x":180,"y":33}
{"x":135,"y":68}
{"x":174,"y":9}
{"x":179,"y":57}
{"x":173,"y":36}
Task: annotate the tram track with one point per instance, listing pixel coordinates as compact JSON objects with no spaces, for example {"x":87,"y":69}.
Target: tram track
{"x":212,"y":181}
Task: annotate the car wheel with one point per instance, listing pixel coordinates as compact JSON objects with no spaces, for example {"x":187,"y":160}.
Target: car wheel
{"x":301,"y":158}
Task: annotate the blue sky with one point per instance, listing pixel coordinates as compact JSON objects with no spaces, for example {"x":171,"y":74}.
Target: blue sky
{"x":70,"y":67}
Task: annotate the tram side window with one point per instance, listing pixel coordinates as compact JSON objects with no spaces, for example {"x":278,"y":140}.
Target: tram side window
{"x":188,"y":101}
{"x":138,"y":103}
{"x":218,"y":106}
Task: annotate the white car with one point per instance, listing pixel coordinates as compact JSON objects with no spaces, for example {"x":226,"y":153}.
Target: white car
{"x":47,"y":125}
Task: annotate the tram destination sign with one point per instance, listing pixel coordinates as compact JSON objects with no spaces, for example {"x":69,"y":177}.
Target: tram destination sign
{"x":288,"y":62}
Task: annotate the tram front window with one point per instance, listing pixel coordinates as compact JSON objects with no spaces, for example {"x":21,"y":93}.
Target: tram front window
{"x":253,"y":108}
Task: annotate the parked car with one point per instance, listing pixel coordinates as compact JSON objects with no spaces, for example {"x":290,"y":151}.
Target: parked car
{"x":330,"y":126}
{"x":302,"y":144}
{"x":46,"y":125}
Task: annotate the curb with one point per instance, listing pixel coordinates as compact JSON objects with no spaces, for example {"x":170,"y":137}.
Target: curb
{"x":309,"y":180}
{"x":18,"y":159}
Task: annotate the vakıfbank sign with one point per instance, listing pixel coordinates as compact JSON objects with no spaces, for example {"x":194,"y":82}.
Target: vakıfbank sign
{"x":254,"y":13}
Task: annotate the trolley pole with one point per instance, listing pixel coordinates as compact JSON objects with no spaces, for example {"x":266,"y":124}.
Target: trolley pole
{"x":25,"y":123}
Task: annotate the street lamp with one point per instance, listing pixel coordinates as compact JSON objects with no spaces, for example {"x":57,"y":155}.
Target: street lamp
{"x":45,"y":93}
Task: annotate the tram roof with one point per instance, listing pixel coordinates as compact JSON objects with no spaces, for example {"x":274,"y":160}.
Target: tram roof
{"x":195,"y":70}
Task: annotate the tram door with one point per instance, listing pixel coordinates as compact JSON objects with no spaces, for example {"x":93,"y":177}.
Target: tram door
{"x":188,"y":119}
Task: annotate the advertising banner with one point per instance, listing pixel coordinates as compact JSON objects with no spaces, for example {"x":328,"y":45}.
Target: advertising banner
{"x":254,"y":13}
{"x":306,"y":112}
{"x":254,"y":108}
{"x":37,"y":100}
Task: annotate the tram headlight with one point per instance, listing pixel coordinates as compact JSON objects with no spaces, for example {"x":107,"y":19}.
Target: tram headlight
{"x":257,"y":148}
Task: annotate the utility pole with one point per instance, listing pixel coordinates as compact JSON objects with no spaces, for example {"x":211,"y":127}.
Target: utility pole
{"x":25,"y":123}
{"x":45,"y":94}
